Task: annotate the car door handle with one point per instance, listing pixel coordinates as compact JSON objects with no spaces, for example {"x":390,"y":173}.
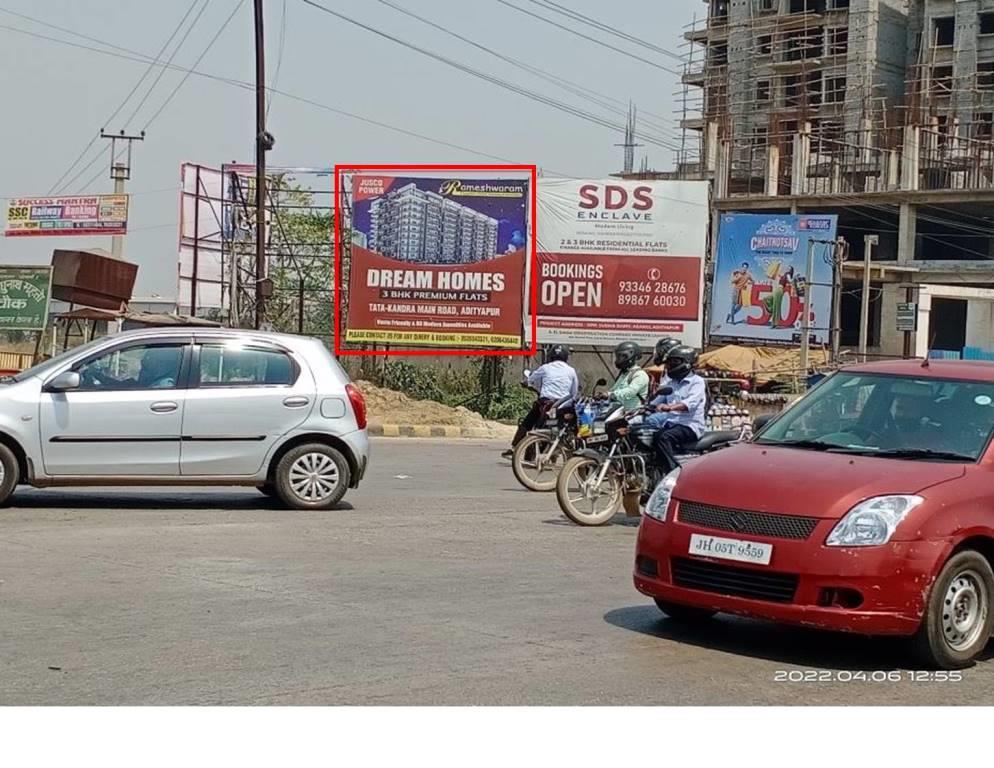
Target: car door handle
{"x":163,"y":407}
{"x":296,"y":402}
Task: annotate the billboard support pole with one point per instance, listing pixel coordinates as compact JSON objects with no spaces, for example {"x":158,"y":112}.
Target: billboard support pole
{"x":806,"y":316}
{"x":864,"y":301}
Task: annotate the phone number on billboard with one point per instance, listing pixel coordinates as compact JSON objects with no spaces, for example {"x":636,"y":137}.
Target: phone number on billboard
{"x":632,"y":300}
{"x":650,"y":286}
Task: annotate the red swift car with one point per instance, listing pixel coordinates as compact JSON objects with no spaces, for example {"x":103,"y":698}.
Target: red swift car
{"x":867,"y":506}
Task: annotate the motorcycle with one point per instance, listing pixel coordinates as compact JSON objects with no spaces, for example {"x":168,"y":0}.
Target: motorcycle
{"x":619,"y":468}
{"x":539,"y":457}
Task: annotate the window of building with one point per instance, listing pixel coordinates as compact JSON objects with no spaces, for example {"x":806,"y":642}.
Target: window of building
{"x":985,"y":76}
{"x":235,"y":366}
{"x":803,"y":44}
{"x":762,"y":90}
{"x":765,"y":44}
{"x":987,"y":23}
{"x":942,"y":80}
{"x":835,"y":90}
{"x":806,"y":6}
{"x":767,"y":6}
{"x":838,"y":41}
{"x":944,"y":30}
{"x":760,"y":136}
{"x":983,"y":125}
{"x":836,"y":5}
{"x":719,"y":10}
{"x":718,"y":54}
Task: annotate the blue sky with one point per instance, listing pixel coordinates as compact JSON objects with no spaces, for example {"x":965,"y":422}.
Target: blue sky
{"x":56,"y":97}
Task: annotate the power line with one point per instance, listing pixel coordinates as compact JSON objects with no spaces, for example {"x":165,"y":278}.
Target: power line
{"x":561,"y":106}
{"x":134,"y":89}
{"x":279,"y":57}
{"x":200,"y":58}
{"x":169,"y":61}
{"x":574,"y":88}
{"x":136,"y":56}
{"x":577,"y":16}
{"x":601,"y":43}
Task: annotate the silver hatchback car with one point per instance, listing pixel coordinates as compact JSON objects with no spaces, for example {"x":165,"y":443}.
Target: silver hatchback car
{"x":191,"y":407}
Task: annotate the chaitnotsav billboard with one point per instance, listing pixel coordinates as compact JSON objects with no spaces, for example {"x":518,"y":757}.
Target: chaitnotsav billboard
{"x":761,"y":285}
{"x":620,"y":260}
{"x":438,"y":261}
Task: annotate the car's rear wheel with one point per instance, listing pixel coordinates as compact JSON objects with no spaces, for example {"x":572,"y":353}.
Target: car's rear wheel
{"x":687,"y":613}
{"x":10,"y":473}
{"x":312,"y":476}
{"x":958,"y":617}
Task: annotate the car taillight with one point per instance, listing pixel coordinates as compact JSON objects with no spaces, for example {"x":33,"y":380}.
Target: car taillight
{"x":358,"y":404}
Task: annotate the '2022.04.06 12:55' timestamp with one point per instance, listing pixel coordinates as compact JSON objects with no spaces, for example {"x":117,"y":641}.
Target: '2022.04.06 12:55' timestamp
{"x":867,"y":676}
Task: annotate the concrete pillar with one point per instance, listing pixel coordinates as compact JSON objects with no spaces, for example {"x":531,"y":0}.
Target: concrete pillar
{"x":711,"y":146}
{"x":980,"y":324}
{"x":723,"y":169}
{"x":802,"y":154}
{"x":907,"y":231}
{"x":909,"y":158}
{"x":772,"y":187}
{"x":924,"y":311}
{"x":893,"y":160}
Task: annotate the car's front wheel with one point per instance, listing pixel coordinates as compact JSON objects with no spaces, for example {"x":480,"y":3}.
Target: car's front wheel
{"x":958,"y":617}
{"x":312,"y":476}
{"x":10,"y":473}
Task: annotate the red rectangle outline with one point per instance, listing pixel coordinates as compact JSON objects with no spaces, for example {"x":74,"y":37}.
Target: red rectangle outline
{"x":532,"y":264}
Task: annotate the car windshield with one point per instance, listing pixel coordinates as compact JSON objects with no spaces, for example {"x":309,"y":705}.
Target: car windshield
{"x":899,"y":417}
{"x":43,"y":368}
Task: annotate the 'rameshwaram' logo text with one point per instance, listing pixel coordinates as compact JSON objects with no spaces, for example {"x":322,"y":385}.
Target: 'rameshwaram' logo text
{"x":459,"y":188}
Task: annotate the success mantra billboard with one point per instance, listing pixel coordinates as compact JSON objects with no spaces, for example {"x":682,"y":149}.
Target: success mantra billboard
{"x":69,"y":216}
{"x":620,"y":260}
{"x":438,"y":261}
{"x":760,"y":283}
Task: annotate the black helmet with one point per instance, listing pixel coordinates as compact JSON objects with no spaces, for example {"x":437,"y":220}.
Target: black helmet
{"x":556,"y":352}
{"x":626,"y":354}
{"x":662,"y":348}
{"x":680,"y":361}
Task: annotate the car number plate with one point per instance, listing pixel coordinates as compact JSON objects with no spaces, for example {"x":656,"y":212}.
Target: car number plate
{"x":731,"y":549}
{"x":597,"y":439}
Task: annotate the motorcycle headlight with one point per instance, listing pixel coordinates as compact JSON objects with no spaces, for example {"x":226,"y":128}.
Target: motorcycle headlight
{"x":659,"y":501}
{"x":872,"y":522}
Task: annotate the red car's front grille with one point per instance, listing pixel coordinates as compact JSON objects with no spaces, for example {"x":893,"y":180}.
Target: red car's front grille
{"x":732,"y":581}
{"x":742,"y":521}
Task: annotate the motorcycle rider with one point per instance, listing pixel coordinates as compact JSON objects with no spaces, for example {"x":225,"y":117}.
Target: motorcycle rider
{"x":553,"y":380}
{"x":680,"y":415}
{"x":631,"y":388}
{"x":656,"y":369}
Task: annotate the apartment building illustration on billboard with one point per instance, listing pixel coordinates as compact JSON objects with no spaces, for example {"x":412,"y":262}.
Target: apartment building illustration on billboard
{"x":414,"y":225}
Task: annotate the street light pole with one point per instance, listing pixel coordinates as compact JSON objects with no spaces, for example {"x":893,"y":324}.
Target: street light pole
{"x":262,"y":144}
{"x":864,"y":305}
{"x":806,"y":314}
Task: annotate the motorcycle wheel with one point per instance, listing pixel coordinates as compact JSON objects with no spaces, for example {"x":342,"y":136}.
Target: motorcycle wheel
{"x":588,"y":507}
{"x":526,"y":469}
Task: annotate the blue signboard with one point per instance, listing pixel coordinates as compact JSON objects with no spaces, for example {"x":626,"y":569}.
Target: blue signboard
{"x":761,"y":285}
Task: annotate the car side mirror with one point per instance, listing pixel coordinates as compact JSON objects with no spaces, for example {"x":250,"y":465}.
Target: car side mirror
{"x":64,"y":382}
{"x":761,"y":421}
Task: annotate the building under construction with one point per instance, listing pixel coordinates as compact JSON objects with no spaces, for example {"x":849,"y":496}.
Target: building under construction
{"x":880,"y":111}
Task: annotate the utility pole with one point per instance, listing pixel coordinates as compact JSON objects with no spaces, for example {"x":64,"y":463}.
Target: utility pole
{"x":120,"y":173}
{"x":864,"y":304}
{"x":263,"y":143}
{"x":838,"y":258}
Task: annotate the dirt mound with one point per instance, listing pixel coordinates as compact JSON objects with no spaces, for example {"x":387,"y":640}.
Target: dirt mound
{"x":385,"y":406}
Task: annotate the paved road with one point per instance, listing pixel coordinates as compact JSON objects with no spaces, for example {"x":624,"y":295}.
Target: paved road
{"x":440,"y":582}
